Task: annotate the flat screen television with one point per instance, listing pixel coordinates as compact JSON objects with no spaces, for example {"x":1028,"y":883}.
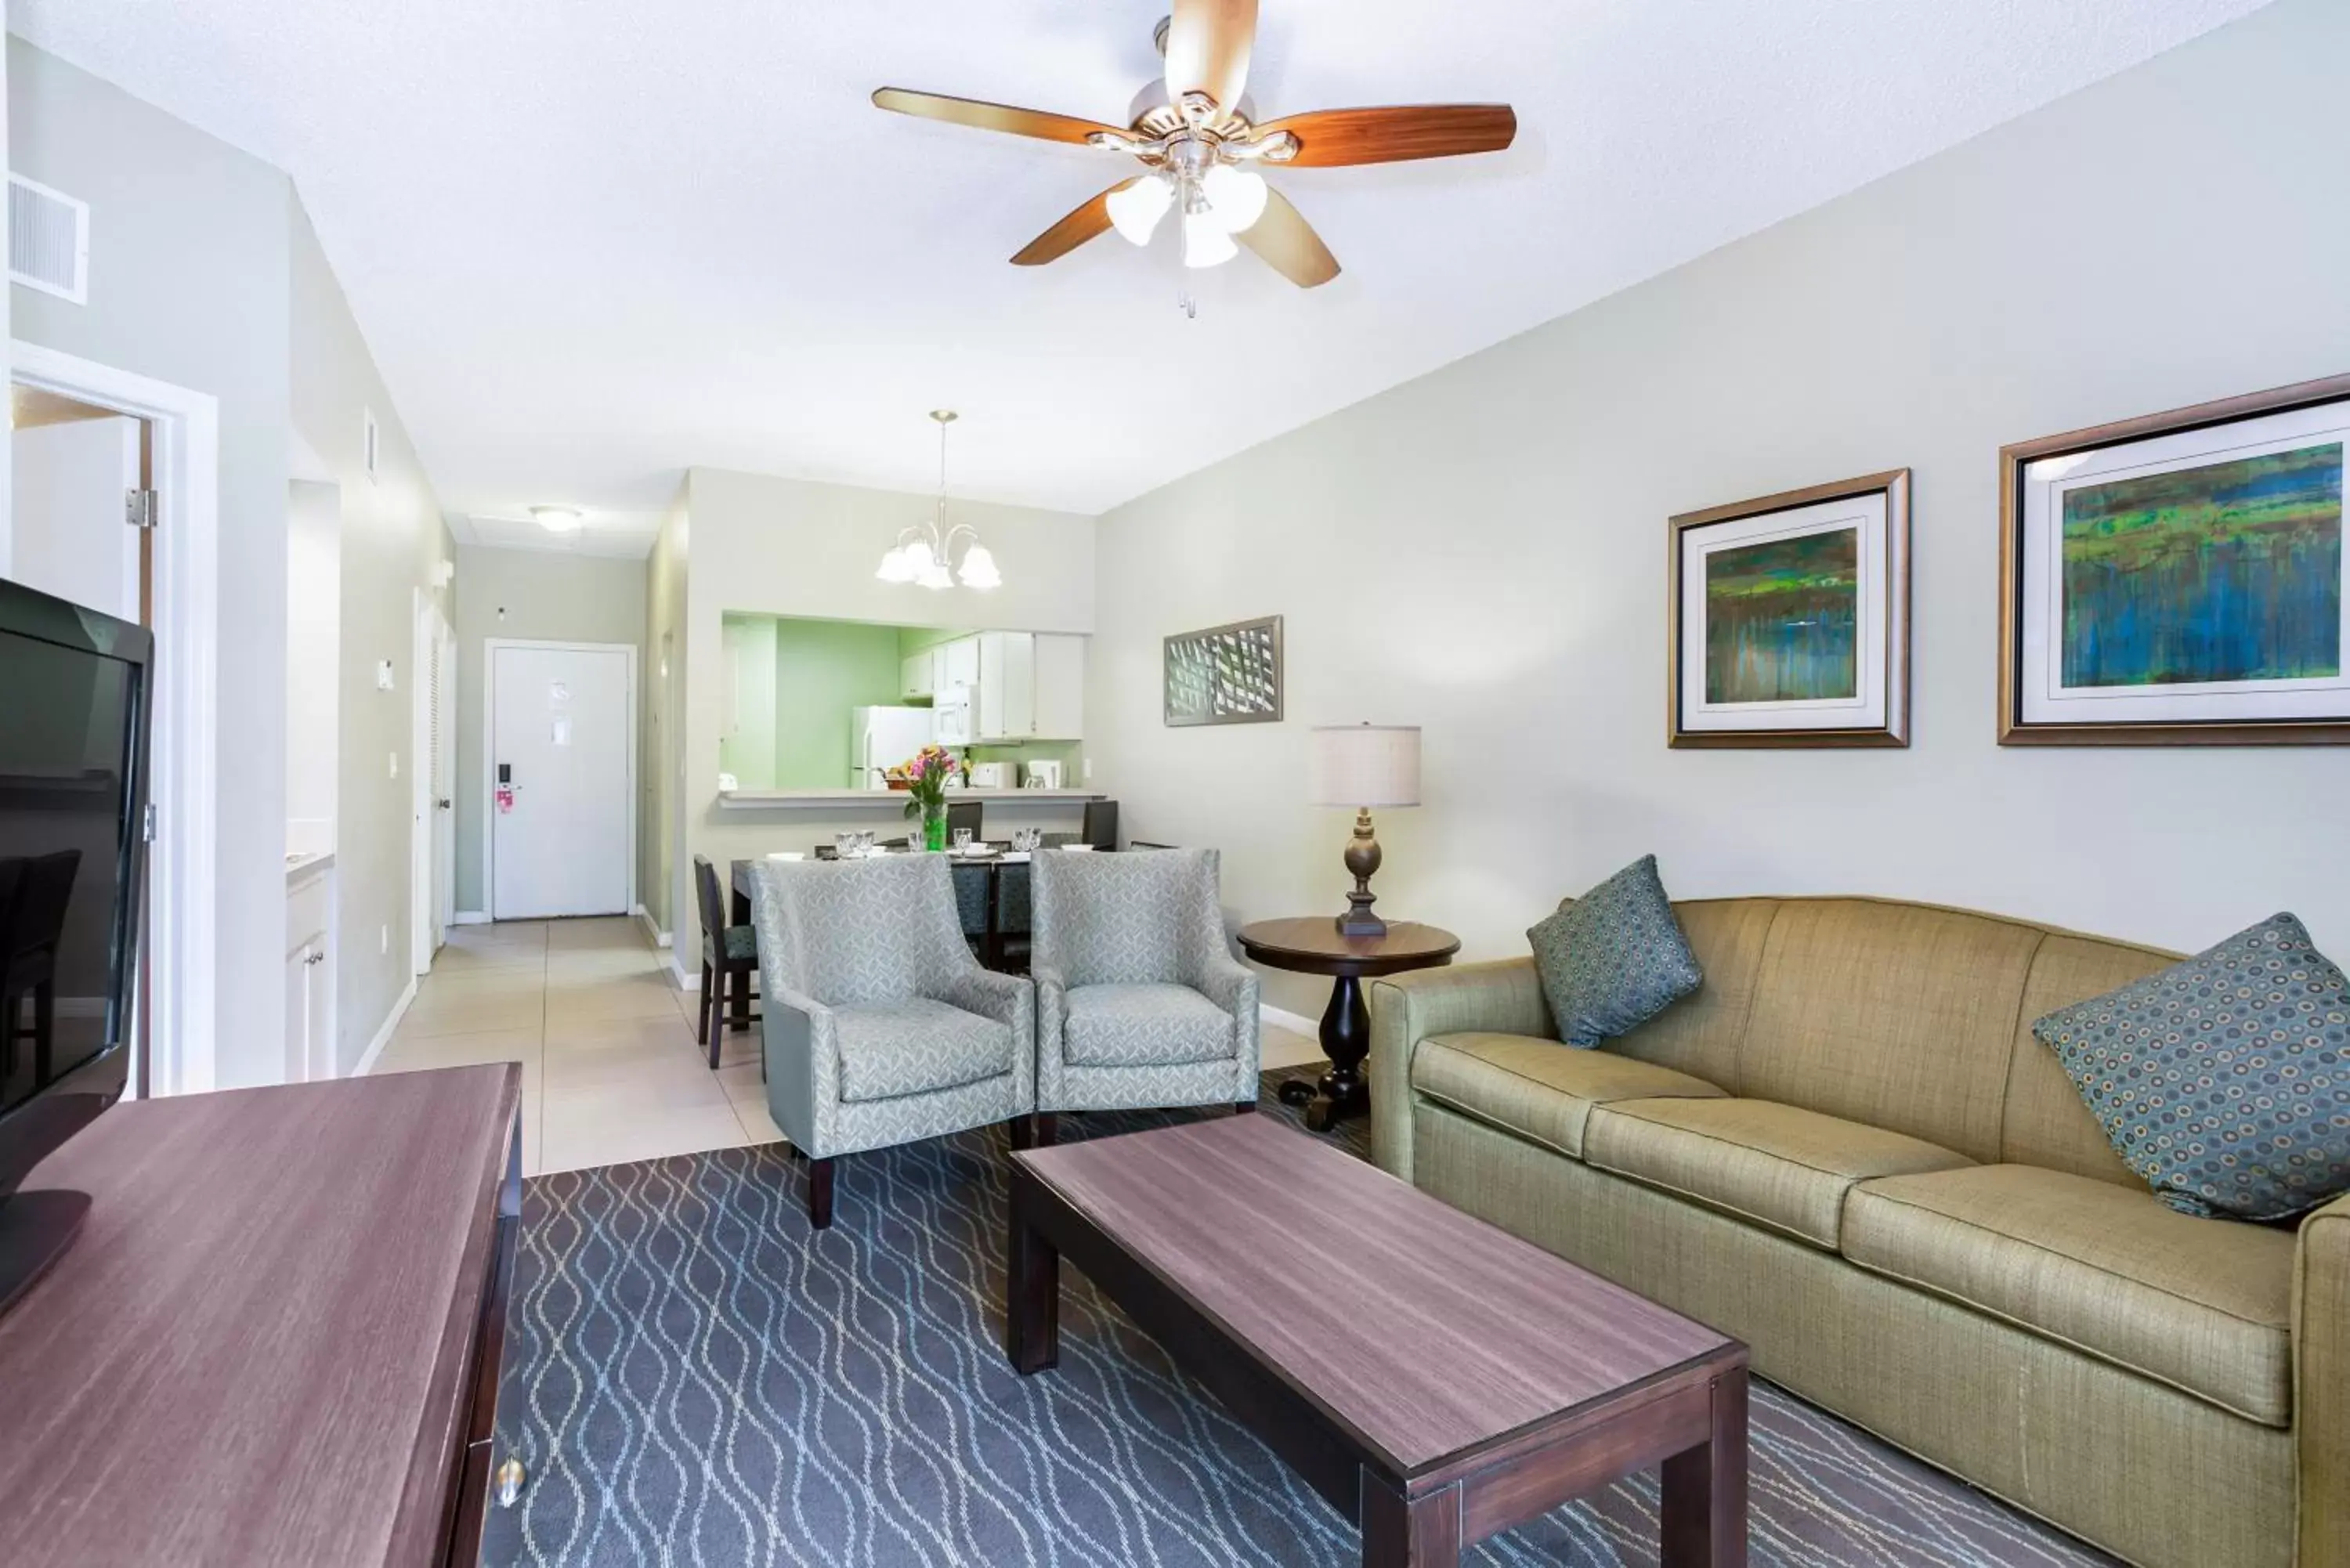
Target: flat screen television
{"x":74,"y":694}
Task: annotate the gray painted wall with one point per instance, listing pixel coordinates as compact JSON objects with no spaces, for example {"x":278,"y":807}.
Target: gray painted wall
{"x":392,"y":540}
{"x":541,"y":596}
{"x":188,"y":280}
{"x":1482,"y":551}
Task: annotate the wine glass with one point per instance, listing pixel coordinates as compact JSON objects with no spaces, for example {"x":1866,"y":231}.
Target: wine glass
{"x":963,"y":840}
{"x":844,"y":846}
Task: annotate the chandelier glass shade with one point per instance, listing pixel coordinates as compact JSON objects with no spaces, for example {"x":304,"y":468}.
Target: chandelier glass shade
{"x":1216,"y":203}
{"x":934,"y":552}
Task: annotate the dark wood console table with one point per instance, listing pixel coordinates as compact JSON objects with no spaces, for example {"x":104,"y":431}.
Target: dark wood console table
{"x":277,"y":1340}
{"x":1310,"y":944}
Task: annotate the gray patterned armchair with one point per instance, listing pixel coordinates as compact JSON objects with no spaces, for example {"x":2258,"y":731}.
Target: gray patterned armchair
{"x":882,"y":1028}
{"x":1138,"y":1001}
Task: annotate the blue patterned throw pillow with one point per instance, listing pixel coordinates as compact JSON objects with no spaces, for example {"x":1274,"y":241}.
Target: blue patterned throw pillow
{"x":2224,"y":1081}
{"x":1615,"y":958}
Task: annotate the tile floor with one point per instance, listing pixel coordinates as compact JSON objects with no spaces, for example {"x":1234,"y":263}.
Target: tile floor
{"x":610,"y":1070}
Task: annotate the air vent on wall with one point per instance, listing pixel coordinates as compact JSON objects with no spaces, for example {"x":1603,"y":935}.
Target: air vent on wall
{"x":48,"y":240}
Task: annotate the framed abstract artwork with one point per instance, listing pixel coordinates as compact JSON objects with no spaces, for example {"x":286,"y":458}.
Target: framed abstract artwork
{"x":1788,"y":619}
{"x":2177,"y":580}
{"x":1224,"y":675}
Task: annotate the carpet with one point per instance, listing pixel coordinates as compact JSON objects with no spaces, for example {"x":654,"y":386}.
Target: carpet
{"x":695,"y":1377}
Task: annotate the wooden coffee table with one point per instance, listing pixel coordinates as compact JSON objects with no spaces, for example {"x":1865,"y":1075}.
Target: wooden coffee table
{"x":1433,"y":1377}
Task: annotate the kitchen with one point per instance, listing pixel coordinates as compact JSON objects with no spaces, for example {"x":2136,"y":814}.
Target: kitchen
{"x":815,"y":714}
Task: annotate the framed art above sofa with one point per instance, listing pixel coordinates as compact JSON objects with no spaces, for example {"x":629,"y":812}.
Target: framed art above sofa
{"x":2179,"y":579}
{"x":1788,"y":619}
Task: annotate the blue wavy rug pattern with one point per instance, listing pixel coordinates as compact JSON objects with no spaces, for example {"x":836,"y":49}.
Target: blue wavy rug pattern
{"x":694,"y":1377}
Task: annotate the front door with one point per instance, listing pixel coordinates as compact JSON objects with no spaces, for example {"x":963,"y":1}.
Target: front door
{"x":559,"y":780}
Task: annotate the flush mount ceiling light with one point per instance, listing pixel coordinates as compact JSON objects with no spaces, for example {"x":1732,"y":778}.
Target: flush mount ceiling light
{"x":556,"y":519}
{"x":1197,"y":139}
{"x":925,"y":554}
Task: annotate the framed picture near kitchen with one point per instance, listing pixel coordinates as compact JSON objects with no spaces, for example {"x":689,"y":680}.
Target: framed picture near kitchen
{"x":1788,"y":619}
{"x":1223,"y":675}
{"x":2177,"y":580}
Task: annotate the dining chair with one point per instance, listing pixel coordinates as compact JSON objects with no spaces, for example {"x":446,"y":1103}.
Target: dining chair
{"x":880,"y":1028}
{"x":1101,"y":824}
{"x":965,"y":814}
{"x":1140,"y":1003}
{"x":730,"y":962}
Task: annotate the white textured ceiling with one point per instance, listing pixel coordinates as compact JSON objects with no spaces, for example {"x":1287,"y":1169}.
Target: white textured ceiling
{"x":592,"y":242}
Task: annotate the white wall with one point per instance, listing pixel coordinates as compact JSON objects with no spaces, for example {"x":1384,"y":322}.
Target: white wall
{"x":790,"y":547}
{"x":188,"y":279}
{"x":534,"y":593}
{"x":314,"y":621}
{"x":1482,"y":551}
{"x":68,"y":533}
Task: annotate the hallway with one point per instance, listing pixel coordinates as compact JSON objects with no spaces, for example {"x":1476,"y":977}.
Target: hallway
{"x":610,"y":1070}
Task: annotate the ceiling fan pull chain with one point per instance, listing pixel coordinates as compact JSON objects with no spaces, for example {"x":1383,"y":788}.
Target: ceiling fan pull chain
{"x":1188,"y":305}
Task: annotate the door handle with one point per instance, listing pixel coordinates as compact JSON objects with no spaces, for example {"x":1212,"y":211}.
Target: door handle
{"x":441,"y":806}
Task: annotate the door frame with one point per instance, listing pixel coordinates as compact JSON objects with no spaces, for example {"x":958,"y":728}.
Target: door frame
{"x":490,"y":645}
{"x":427,"y":896}
{"x":184,"y":428}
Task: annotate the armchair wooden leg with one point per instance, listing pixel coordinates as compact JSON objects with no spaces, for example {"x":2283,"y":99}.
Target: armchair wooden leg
{"x":1022,"y":1128}
{"x":820,"y":1194}
{"x":1242,"y":1107}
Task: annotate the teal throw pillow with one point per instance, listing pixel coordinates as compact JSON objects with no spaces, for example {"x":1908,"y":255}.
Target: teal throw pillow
{"x":2224,"y":1081}
{"x":1615,"y":958}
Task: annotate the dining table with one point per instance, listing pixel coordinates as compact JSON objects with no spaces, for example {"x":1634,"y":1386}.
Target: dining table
{"x":991,"y":869}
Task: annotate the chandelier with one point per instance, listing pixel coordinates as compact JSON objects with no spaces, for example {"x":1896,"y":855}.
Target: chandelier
{"x":925,"y":552}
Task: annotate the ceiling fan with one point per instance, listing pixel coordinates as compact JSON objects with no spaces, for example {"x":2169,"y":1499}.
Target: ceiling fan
{"x":1199,"y":146}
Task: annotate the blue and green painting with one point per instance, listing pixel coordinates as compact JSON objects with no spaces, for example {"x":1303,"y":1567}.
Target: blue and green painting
{"x":2232,"y":571}
{"x":1782,"y":619}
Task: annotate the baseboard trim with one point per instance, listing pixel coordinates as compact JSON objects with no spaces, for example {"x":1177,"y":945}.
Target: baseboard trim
{"x":469,"y":918}
{"x":1295,"y":1022}
{"x":644,"y":918}
{"x":383,"y":1035}
{"x":677,"y":972}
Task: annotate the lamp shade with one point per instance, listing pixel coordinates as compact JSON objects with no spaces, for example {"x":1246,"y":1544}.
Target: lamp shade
{"x":1367,"y":764}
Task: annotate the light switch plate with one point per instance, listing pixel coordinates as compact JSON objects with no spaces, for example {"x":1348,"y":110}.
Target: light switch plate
{"x":395,"y":765}
{"x":383,"y":674}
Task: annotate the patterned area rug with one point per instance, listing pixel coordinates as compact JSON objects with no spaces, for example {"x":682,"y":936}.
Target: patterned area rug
{"x":694,"y":1377}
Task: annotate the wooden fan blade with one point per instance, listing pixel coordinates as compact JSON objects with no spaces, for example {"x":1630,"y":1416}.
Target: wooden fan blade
{"x":990,"y":116}
{"x":1086,"y":222}
{"x":1207,"y":47}
{"x":1339,"y":137}
{"x":1289,"y":244}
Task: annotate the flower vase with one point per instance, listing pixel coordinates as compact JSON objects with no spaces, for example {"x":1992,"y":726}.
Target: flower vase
{"x":934,"y":829}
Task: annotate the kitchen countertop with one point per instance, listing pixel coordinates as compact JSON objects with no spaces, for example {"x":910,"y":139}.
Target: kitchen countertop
{"x":786,"y":799}
{"x":299,"y":866}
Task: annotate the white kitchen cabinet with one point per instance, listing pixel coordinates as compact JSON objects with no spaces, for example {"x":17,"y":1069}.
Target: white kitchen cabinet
{"x":1060,"y":706}
{"x":309,"y":980}
{"x":915,"y":679}
{"x":958,"y":663}
{"x":1007,"y":686}
{"x":1032,"y":687}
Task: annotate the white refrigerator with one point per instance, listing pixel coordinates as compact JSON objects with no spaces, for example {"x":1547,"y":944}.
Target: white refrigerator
{"x":881,"y":737}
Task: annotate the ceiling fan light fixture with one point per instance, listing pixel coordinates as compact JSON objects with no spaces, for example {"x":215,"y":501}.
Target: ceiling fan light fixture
{"x":1236,"y":196}
{"x":1134,"y":211}
{"x":1206,"y":241}
{"x":979,"y":569}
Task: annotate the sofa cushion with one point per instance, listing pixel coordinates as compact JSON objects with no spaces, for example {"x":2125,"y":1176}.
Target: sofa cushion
{"x":2201,"y":1305}
{"x":2224,"y":1081}
{"x":1144,"y":1026}
{"x":1615,"y":958}
{"x":916,"y":1046}
{"x":1539,"y":1088}
{"x":1779,"y":1166}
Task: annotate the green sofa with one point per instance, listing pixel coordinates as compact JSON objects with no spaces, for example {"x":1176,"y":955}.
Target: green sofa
{"x":1847,"y":1149}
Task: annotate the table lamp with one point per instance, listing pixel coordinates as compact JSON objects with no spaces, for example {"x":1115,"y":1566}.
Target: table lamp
{"x":1365,"y":765}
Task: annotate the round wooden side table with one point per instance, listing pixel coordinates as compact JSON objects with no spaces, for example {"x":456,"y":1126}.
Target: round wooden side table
{"x":1310,"y":944}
